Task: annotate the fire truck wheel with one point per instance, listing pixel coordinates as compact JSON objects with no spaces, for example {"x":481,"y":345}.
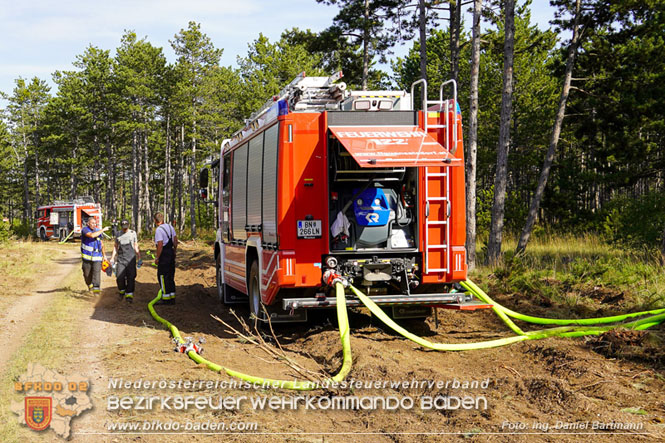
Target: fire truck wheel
{"x":255,"y":305}
{"x":42,"y":234}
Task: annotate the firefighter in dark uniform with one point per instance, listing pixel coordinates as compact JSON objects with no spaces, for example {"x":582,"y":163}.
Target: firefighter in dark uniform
{"x":127,"y":251}
{"x":166,"y":242}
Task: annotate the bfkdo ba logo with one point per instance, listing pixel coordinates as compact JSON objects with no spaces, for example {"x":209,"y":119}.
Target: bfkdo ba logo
{"x":38,"y":412}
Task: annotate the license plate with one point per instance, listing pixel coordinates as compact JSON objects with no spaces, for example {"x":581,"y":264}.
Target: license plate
{"x":309,"y":228}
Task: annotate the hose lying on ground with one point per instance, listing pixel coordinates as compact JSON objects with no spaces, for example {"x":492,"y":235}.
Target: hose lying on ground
{"x":574,"y":328}
{"x":503,"y":313}
{"x":342,"y":319}
{"x":482,"y":296}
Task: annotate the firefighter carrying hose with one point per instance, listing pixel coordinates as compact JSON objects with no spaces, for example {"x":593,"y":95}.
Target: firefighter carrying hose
{"x":92,"y":253}
{"x":127,"y":251}
{"x":166,"y":242}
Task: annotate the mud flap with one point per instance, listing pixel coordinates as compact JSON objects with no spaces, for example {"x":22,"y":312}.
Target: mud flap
{"x":233,"y":296}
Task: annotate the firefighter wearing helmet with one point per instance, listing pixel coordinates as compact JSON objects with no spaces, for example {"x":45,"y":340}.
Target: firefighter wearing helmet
{"x":126,"y":250}
{"x":92,"y":253}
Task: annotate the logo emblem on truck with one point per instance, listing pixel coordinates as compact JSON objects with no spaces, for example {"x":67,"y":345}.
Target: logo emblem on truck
{"x":372,"y":217}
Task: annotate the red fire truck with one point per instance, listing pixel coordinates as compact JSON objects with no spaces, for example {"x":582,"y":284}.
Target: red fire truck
{"x":356,"y":182}
{"x":64,"y":219}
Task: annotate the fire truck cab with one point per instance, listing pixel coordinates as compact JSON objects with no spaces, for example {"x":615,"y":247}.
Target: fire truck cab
{"x":359,"y":183}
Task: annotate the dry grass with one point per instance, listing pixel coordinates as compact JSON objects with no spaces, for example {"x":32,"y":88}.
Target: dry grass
{"x":44,"y":344}
{"x":22,"y":264}
{"x":579,"y":269}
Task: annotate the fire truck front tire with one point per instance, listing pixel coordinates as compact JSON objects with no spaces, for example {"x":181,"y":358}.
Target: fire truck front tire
{"x":256,"y":311}
{"x":42,"y":234}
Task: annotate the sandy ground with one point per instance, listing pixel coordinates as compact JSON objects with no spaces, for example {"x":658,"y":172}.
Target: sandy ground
{"x":570,"y":382}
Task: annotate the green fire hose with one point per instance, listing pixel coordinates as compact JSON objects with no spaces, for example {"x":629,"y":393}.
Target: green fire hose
{"x":572,"y":328}
{"x":481,"y":295}
{"x":566,"y":331}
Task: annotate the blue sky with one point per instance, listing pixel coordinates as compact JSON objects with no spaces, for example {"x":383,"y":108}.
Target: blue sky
{"x":41,"y":36}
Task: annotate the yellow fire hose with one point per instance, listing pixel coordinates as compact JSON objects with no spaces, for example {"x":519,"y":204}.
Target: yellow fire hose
{"x":566,"y":331}
{"x":343,"y":321}
{"x":67,"y":238}
{"x":575,"y":328}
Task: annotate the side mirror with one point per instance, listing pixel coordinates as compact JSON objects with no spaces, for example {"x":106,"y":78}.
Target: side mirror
{"x":203,"y":178}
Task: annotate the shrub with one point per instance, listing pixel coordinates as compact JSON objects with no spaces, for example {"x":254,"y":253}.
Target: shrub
{"x":636,"y":222}
{"x":5,"y":231}
{"x":22,"y":230}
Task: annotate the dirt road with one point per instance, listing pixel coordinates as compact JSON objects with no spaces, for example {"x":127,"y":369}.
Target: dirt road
{"x":26,"y":311}
{"x":532,"y":391}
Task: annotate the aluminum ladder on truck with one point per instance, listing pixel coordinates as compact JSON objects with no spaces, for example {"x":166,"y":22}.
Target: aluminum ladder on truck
{"x":437,"y":228}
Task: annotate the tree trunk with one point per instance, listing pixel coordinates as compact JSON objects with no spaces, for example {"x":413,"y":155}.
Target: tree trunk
{"x":455,"y":24}
{"x":366,"y":42}
{"x":49,"y":183}
{"x":38,"y":188}
{"x":472,"y":152}
{"x":181,"y":164}
{"x":146,"y":193}
{"x":73,"y":171}
{"x":556,"y":132}
{"x":114,"y":182}
{"x":501,"y":178}
{"x":27,"y":210}
{"x":95,"y":173}
{"x":422,"y":25}
{"x":108,"y":198}
{"x":192,"y":187}
{"x":177,"y":175}
{"x":167,"y":168}
{"x":135,"y":184}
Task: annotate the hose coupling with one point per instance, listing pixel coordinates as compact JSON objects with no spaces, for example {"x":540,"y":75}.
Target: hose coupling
{"x":330,"y":278}
{"x":189,"y":345}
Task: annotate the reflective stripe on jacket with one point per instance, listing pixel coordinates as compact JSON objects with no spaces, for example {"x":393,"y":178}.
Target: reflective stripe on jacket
{"x":91,"y":248}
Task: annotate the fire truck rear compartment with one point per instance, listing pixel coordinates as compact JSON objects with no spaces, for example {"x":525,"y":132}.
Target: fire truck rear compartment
{"x":370,"y":210}
{"x":373,"y":223}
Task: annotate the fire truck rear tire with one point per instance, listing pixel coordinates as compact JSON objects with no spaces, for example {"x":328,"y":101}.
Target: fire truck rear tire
{"x":226,"y":294}
{"x":221,"y":287}
{"x":256,"y":311}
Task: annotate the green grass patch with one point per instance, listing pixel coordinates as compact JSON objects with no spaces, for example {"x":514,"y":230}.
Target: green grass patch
{"x":578,"y":271}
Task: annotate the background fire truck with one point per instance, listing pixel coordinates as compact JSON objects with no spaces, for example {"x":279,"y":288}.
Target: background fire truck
{"x":323,"y":181}
{"x":64,"y":219}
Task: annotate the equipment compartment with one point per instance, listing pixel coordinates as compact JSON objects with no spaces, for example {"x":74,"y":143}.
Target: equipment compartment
{"x":370,"y":209}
